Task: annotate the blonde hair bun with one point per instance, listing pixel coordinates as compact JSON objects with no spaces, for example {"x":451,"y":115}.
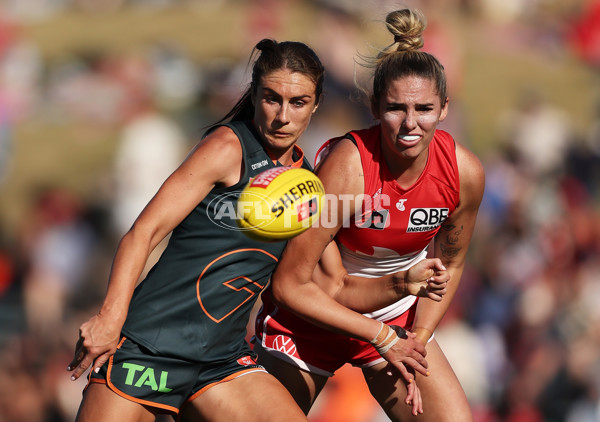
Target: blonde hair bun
{"x":407,"y":26}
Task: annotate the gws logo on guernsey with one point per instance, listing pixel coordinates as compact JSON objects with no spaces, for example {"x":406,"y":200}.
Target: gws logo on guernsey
{"x":426,"y":219}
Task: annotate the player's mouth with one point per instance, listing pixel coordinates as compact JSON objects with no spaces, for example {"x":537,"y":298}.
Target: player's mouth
{"x":280,"y":134}
{"x":409,"y":140}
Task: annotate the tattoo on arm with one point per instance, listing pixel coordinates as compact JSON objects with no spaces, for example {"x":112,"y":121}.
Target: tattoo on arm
{"x":449,"y":239}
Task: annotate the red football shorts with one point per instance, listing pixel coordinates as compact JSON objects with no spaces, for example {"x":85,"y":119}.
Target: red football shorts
{"x":314,"y":349}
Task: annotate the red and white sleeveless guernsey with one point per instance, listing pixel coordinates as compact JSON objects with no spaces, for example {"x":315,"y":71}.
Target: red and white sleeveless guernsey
{"x":397,"y":224}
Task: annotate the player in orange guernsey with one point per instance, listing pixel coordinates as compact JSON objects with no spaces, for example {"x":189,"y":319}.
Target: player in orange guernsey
{"x":411,"y":184}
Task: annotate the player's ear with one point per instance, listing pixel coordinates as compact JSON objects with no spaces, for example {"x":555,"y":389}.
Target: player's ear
{"x":444,"y":111}
{"x":315,"y":108}
{"x":317,"y":103}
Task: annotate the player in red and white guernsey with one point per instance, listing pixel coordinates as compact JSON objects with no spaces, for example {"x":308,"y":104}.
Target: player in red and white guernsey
{"x":398,"y":186}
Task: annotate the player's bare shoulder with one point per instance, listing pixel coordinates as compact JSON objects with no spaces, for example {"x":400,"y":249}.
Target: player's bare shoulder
{"x":341,"y":162}
{"x":342,"y":149}
{"x":222,"y":139}
{"x":471,"y":173}
{"x":220,"y":155}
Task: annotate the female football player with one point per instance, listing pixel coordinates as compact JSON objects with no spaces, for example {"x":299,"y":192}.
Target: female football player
{"x":408,"y":184}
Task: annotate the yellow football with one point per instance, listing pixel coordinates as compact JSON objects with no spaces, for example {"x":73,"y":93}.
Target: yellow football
{"x":280,"y":203}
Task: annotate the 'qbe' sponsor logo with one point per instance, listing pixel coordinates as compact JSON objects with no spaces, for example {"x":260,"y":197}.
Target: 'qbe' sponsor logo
{"x":426,"y":219}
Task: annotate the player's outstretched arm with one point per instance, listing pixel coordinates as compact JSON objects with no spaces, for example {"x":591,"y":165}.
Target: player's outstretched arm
{"x":182,"y":191}
{"x":427,"y":279}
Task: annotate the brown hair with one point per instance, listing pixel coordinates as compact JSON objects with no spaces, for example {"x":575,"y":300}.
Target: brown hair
{"x":292,"y":55}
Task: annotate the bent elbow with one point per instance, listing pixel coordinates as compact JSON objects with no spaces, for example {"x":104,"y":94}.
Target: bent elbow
{"x":279,"y":295}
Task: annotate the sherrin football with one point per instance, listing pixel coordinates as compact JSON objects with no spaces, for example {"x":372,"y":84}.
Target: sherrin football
{"x":280,"y":203}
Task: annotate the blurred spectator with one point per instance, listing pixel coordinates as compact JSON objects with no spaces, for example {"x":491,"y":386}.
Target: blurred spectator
{"x":176,"y":79}
{"x":445,"y":43}
{"x":12,"y":319}
{"x":262,"y":19}
{"x":7,"y":272}
{"x":75,"y":81}
{"x":538,"y":132}
{"x":341,"y":29}
{"x":6,"y":147}
{"x":584,"y":162}
{"x":585,"y":33}
{"x":503,"y":10}
{"x":20,"y":74}
{"x":58,"y":242}
{"x":20,"y":77}
{"x":459,"y":340}
{"x":150,"y":147}
{"x":343,"y":107}
{"x":33,"y":10}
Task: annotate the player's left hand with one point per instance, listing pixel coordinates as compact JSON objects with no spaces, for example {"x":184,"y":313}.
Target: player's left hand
{"x":413,"y":396}
{"x":406,"y":356}
{"x":427,"y":278}
{"x":413,"y":393}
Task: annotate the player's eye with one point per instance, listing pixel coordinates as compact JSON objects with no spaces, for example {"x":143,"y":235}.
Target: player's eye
{"x":395,"y":107}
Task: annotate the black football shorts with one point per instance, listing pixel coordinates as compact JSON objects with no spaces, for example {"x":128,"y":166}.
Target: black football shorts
{"x":165,"y":383}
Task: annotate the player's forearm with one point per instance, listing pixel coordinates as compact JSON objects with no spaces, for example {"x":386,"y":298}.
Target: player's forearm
{"x":128,"y":264}
{"x":370,"y":294}
{"x":310,"y":302}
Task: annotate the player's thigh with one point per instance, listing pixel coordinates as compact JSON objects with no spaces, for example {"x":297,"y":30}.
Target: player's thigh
{"x":444,"y":399}
{"x":101,"y":404}
{"x":255,"y":397}
{"x":303,"y":386}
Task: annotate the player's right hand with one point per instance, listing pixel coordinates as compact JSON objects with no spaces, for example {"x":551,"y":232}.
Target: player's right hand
{"x":427,"y":278}
{"x":98,"y":339}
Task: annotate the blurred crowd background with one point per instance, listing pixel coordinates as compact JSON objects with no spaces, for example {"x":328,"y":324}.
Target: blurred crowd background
{"x":101,"y":99}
